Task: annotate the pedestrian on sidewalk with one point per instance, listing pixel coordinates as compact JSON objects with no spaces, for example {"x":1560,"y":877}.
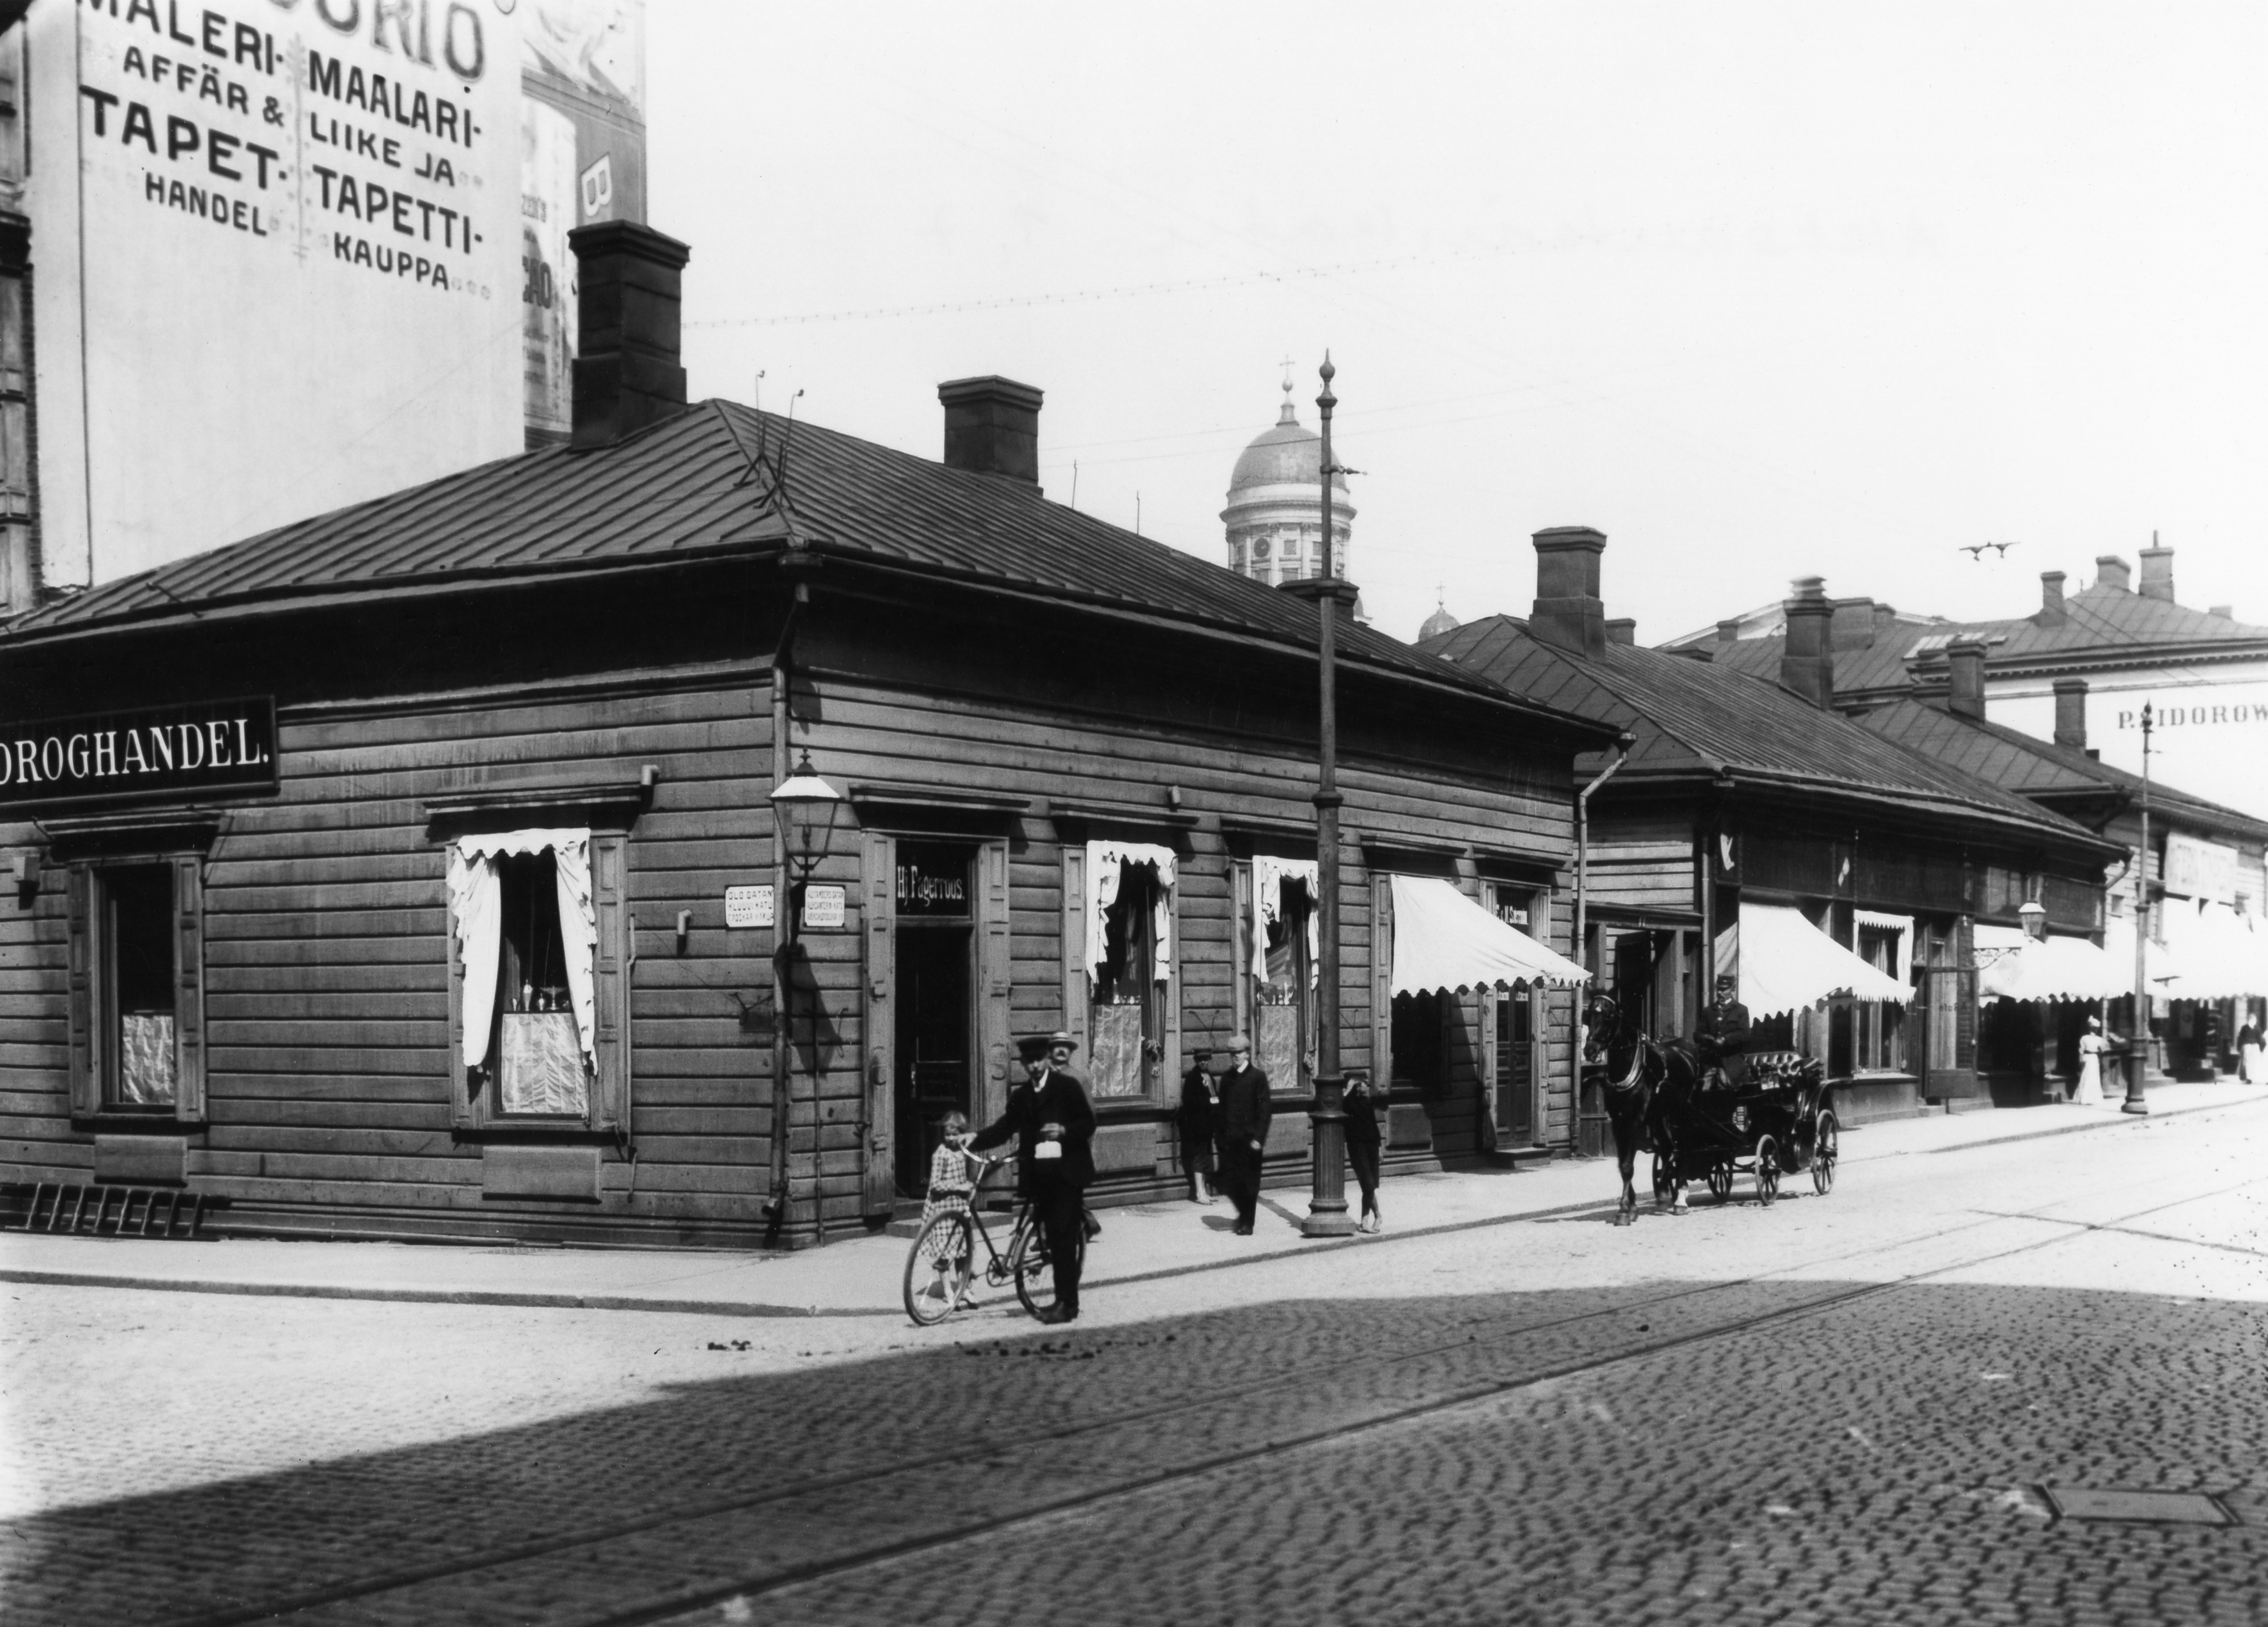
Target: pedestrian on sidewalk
{"x":1053,"y":1121}
{"x":2251,"y":1064}
{"x":1245,"y":1111}
{"x":1362,"y":1146}
{"x":2093,"y":1047}
{"x":1200,"y":1109}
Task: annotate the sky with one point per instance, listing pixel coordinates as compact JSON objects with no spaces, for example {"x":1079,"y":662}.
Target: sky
{"x":1759,"y":291}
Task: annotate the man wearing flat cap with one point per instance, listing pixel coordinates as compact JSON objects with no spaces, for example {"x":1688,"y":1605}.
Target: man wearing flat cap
{"x":1243,"y":1119}
{"x":1053,"y":1123}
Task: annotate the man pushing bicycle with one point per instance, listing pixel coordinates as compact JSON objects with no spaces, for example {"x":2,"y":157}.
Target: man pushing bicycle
{"x":1053,"y":1123}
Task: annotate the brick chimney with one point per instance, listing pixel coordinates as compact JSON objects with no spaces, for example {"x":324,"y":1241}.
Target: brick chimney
{"x":628,"y":277}
{"x":1621,"y":629}
{"x":1964,"y":662}
{"x":2158,"y":573}
{"x":2071,"y":712}
{"x":2110,"y":572}
{"x":993,"y":427}
{"x":1806,"y":663}
{"x":1728,"y":630}
{"x":2052,"y":611}
{"x":1854,"y":623}
{"x":1568,"y":614}
{"x":1886,"y":620}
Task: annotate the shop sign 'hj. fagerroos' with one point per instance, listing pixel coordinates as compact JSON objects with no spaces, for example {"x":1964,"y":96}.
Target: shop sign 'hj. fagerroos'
{"x":158,"y":751}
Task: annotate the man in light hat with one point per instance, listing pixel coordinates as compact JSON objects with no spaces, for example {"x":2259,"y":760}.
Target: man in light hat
{"x":1053,"y":1121}
{"x":1243,"y":1119}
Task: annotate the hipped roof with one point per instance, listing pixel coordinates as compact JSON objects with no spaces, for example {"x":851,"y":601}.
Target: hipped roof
{"x":2098,"y":624}
{"x":2035,"y":768}
{"x":1695,"y":721}
{"x":709,"y":482}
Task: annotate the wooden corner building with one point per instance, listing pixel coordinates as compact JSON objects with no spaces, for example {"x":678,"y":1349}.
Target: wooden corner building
{"x":413,"y":870}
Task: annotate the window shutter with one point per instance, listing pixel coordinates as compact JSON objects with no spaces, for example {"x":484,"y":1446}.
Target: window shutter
{"x":1242,"y":1018}
{"x":85,"y":1052}
{"x":189,"y":989}
{"x":1075,"y":993}
{"x":879,"y":1113}
{"x":996,"y":976}
{"x":1382,"y":980}
{"x":1169,"y":1040}
{"x":610,"y":1102}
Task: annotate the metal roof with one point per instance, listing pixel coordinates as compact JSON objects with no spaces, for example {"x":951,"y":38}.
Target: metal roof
{"x":718,"y":478}
{"x":2100,"y":621}
{"x":2020,"y":762}
{"x":1694,"y":718}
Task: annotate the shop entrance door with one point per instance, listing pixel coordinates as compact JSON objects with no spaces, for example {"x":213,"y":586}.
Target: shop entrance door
{"x":1515,"y":1069}
{"x":932,"y":1043}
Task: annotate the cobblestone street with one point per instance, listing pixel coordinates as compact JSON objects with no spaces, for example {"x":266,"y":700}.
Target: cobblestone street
{"x":1849,"y":1409}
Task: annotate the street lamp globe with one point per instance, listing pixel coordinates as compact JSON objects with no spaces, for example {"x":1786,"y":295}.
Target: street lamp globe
{"x":806,"y":806}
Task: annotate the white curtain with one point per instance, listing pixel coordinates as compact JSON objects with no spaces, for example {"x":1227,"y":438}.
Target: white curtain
{"x":476,"y":900}
{"x":1106,"y":870}
{"x":1268,"y":875}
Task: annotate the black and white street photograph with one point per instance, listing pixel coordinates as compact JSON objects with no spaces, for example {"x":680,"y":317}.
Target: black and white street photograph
{"x":1237,"y":815}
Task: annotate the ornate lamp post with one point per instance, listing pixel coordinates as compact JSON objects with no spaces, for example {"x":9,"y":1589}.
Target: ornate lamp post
{"x":803,"y":810}
{"x":2134,"y":1102}
{"x":1327,"y":1208}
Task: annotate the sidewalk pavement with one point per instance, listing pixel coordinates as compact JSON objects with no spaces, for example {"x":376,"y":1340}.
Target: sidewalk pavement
{"x":861,"y":1275}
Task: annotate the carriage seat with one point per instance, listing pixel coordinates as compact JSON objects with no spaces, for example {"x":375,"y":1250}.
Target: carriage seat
{"x":1771,"y":1070}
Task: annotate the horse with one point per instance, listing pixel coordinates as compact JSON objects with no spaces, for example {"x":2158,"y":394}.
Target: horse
{"x":1641,"y":1080}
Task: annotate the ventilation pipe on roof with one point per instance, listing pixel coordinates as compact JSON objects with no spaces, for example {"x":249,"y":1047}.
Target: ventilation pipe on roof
{"x":2158,"y":572}
{"x":1568,"y":614}
{"x":629,"y":279}
{"x":2071,"y":712}
{"x":1806,"y":662}
{"x":2052,"y":611}
{"x":1965,"y":667}
{"x":993,"y":427}
{"x":2110,"y":572}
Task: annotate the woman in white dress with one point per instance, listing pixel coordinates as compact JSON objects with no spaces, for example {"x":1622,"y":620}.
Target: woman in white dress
{"x":2093,"y":1047}
{"x":2251,"y":1064}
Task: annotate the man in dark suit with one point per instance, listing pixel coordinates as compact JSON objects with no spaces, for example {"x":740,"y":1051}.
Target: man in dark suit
{"x":1053,"y":1123}
{"x":1723,"y":1039}
{"x":1243,"y":1120}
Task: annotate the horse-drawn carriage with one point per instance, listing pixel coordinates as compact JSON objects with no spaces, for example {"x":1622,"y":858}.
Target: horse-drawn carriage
{"x":1707,"y":1123}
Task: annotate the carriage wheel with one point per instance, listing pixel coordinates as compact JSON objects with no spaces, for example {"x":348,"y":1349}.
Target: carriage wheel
{"x":1767,"y":1169}
{"x":1824,"y":1154}
{"x":1720,"y":1181}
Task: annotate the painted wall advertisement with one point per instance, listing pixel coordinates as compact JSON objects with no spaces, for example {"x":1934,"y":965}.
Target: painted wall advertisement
{"x":2208,"y":739}
{"x":582,"y":142}
{"x":297,"y":240}
{"x":313,"y":251}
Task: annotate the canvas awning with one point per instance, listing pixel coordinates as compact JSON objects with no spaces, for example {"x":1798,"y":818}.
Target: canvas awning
{"x":2211,"y":953}
{"x":1444,"y":941}
{"x":1787,"y":964}
{"x":2047,"y":968}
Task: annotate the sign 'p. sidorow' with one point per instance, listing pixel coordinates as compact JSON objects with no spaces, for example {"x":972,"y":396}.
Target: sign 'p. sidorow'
{"x":165,"y":751}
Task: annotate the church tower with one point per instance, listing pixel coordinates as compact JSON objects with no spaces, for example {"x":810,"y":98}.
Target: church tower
{"x":1274,"y":534}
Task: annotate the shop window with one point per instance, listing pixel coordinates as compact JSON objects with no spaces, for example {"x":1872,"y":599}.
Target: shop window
{"x":137,"y":988}
{"x":1286,"y":937}
{"x":1118,"y":953}
{"x":538,"y":995}
{"x":1880,"y":1024}
{"x":1419,"y":1042}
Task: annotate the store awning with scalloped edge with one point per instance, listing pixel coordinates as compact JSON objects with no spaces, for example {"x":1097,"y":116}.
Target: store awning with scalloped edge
{"x":1443,"y":941}
{"x":2014,"y":967}
{"x":2211,"y":953}
{"x":1786,"y":964}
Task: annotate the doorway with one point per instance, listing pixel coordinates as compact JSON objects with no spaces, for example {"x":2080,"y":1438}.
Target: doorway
{"x":934,"y":1018}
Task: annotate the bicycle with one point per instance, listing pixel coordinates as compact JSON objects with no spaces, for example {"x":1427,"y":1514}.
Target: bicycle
{"x":942,"y":1264}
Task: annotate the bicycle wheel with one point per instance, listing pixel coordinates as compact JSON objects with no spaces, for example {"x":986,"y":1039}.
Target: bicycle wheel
{"x":937,"y":1269}
{"x":1034,"y":1273}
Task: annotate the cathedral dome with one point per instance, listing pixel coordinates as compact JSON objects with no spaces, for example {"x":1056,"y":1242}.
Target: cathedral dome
{"x":1441,"y":621}
{"x":1287,"y":454}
